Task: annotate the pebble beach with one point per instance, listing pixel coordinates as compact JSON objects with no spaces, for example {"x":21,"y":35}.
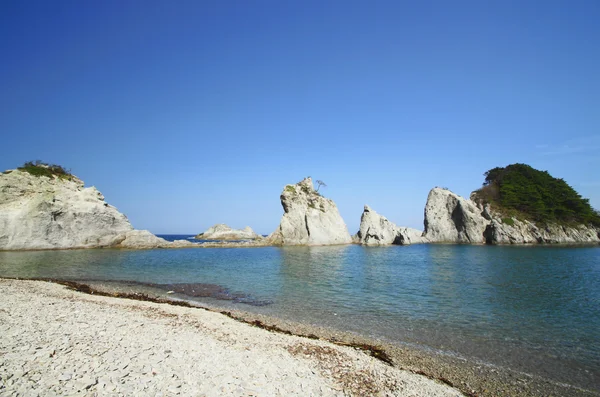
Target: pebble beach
{"x":56,"y":341}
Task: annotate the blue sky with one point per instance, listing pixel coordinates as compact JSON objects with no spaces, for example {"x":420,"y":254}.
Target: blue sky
{"x":189,"y":113}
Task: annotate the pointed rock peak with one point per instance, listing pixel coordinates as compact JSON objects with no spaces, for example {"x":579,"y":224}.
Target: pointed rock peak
{"x":451,"y":218}
{"x":307,"y":183}
{"x":367,"y":208}
{"x":309,"y":218}
{"x":442,"y":190}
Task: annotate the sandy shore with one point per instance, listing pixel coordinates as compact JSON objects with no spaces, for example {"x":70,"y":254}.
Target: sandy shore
{"x":55,"y":341}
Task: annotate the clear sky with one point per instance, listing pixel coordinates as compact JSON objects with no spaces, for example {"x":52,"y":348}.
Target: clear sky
{"x":189,"y":113}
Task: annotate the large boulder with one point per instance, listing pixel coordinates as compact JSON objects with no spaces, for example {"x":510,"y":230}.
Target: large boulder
{"x":223,"y":232}
{"x":375,"y":229}
{"x":450,"y":218}
{"x":41,"y":212}
{"x":309,"y":218}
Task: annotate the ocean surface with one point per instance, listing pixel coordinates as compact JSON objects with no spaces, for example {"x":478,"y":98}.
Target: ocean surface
{"x":532,"y":309}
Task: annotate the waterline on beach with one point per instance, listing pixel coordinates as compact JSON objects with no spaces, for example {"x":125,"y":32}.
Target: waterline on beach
{"x":529,"y":309}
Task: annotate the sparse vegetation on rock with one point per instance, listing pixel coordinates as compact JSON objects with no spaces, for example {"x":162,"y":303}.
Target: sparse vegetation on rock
{"x":320,"y":184}
{"x":39,"y":168}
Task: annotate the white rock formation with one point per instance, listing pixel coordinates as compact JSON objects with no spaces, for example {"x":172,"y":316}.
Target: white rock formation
{"x":375,"y":229}
{"x":450,"y":218}
{"x":39,"y":212}
{"x":525,"y":232}
{"x":223,"y":232}
{"x":309,"y":218}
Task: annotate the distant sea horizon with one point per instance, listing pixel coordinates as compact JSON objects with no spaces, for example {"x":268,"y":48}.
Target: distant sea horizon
{"x":173,"y":237}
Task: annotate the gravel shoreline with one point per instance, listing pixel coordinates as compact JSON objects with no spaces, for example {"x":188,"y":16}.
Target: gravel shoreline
{"x":340,"y":372}
{"x":56,"y":341}
{"x":471,"y":376}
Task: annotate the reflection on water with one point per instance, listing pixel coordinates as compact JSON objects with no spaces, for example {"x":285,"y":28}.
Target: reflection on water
{"x":516,"y":306}
{"x":312,"y":263}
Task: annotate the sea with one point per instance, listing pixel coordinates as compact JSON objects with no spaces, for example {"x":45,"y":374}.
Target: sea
{"x":534,"y":309}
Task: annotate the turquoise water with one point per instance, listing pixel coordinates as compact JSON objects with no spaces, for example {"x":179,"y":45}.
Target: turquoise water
{"x":534,"y":309}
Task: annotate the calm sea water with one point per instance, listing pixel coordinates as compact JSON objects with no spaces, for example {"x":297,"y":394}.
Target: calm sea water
{"x":534,"y":309}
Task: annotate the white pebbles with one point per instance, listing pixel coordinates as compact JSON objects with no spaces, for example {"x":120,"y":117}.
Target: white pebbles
{"x":54,"y":341}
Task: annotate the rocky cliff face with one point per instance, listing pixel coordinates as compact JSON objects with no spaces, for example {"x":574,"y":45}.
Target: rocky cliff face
{"x":450,"y":218}
{"x":376,"y":229}
{"x":40,"y":212}
{"x":525,"y":232}
{"x":309,"y":218}
{"x":224,"y":232}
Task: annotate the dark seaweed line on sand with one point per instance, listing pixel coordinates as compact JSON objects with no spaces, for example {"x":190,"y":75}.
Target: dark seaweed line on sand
{"x":374,"y":351}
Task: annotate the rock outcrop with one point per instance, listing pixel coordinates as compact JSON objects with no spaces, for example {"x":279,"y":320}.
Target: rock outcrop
{"x":224,"y":232}
{"x":41,"y":212}
{"x":143,"y":239}
{"x":376,"y":229}
{"x":450,"y":218}
{"x":309,"y":218}
{"x":525,"y":232}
